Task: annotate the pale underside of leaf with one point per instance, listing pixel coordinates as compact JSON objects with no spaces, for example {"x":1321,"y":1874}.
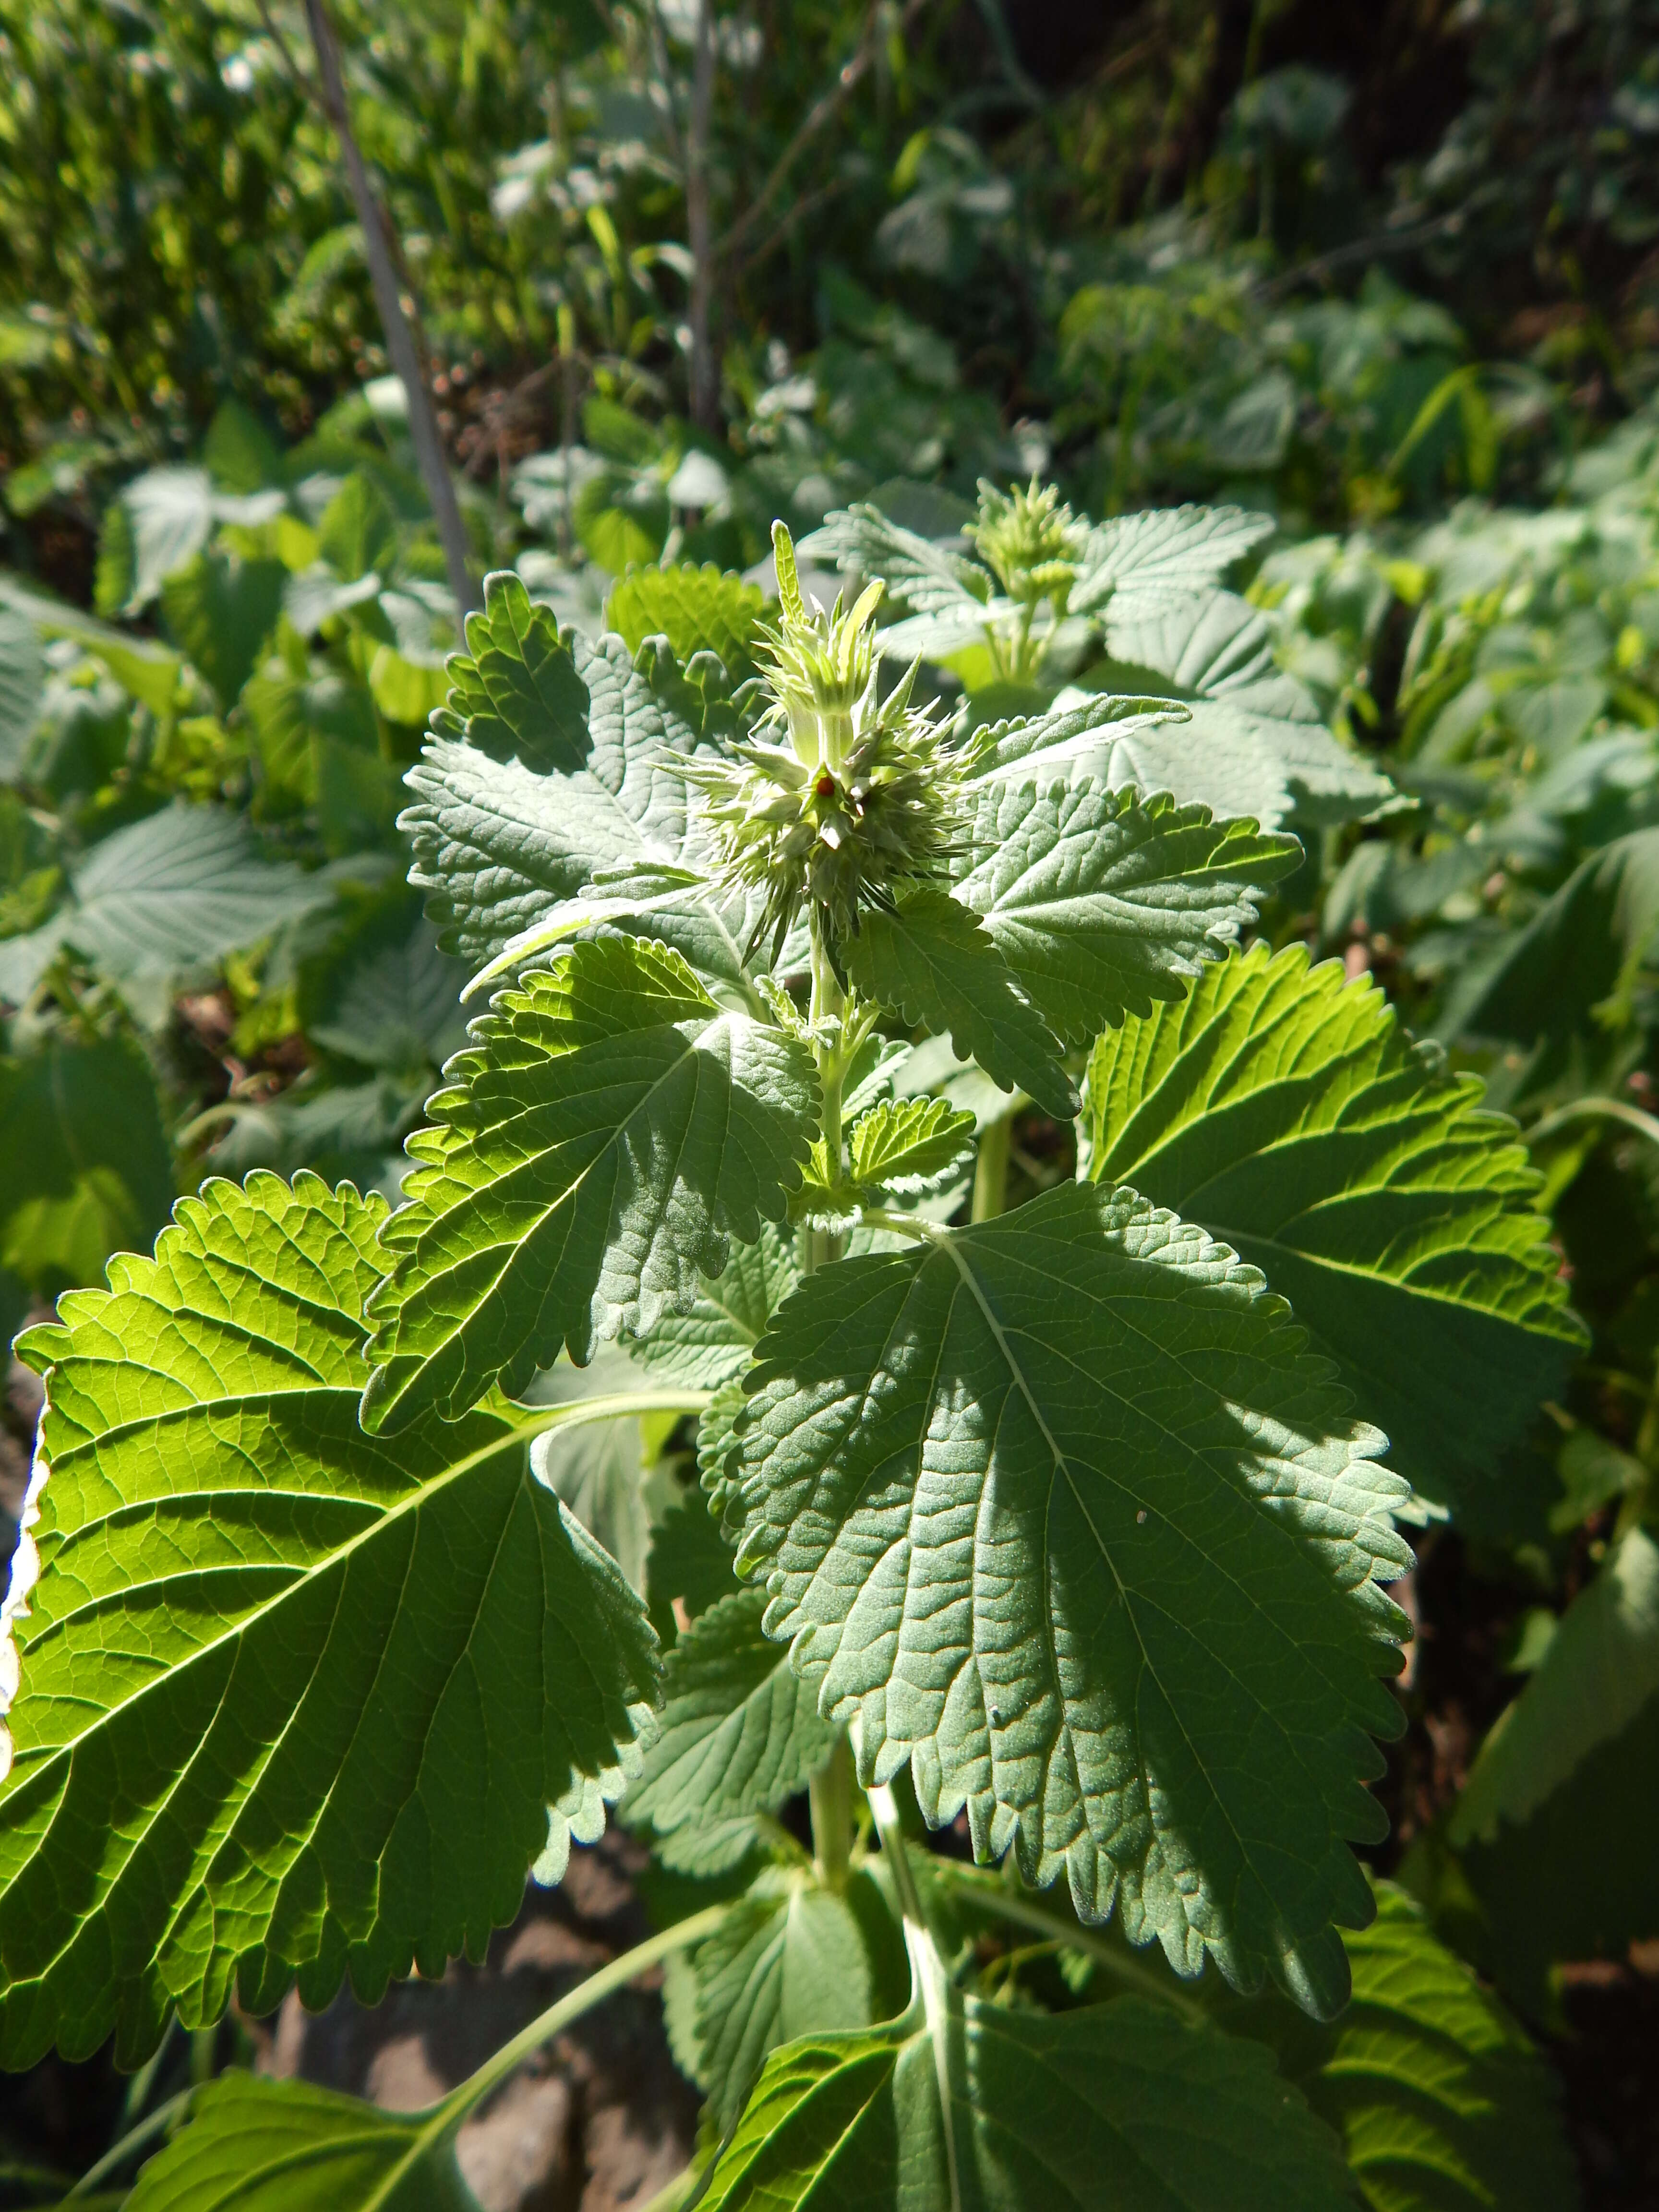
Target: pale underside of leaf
{"x":610,"y":1131}
{"x":262,"y":2145}
{"x":1102,"y":903}
{"x":1056,"y":1509}
{"x":932,"y":961}
{"x":715,"y":1337}
{"x":793,"y":1958}
{"x":739,"y":1730}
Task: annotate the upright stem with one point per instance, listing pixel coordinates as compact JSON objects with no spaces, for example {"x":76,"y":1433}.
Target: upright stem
{"x":829,"y":1797}
{"x":991,"y":1168}
{"x":399,"y":337}
{"x":705,"y":386}
{"x":829,"y":1003}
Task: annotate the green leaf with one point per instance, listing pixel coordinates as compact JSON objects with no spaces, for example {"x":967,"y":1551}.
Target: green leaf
{"x":696,"y":609}
{"x":240,"y":453}
{"x":292,"y":1700}
{"x":566,"y":770}
{"x":791,"y":1959}
{"x":717,"y":1448}
{"x":929,"y":575}
{"x":1601,"y":1668}
{"x":909,"y":1145}
{"x":714,"y":1338}
{"x":220,"y":609}
{"x":23,"y":682}
{"x":1102,"y":903}
{"x":688,"y":1560}
{"x":288,"y":2146}
{"x":1057,"y":1509}
{"x":597,"y":1468}
{"x":1151,"y":743}
{"x":622,"y":517}
{"x":169,"y":516}
{"x":358,"y":533}
{"x":381,"y":992}
{"x":141,"y":666}
{"x":1572,"y":969}
{"x":1144,"y":562}
{"x":178,"y":890}
{"x":932,"y":964}
{"x":88,"y":1169}
{"x":1577,"y":1879}
{"x":1215,"y":650}
{"x":517,"y":687}
{"x":609,"y":1131}
{"x":1443,"y":2103}
{"x":1119,"y":2103}
{"x":1290,"y":1114}
{"x":738,"y":1731}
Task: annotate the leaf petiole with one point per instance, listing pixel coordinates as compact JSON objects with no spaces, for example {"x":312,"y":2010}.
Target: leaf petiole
{"x":153,"y":2123}
{"x":990,"y":1895}
{"x":571,"y":2007}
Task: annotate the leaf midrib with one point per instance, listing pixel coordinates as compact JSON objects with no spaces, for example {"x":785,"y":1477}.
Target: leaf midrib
{"x":432,"y":1487}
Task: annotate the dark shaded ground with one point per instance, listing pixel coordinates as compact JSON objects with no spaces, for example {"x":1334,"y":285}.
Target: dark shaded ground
{"x":597,"y":2121}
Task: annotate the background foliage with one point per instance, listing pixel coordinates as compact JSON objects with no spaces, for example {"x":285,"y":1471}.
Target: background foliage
{"x":1392,"y":284}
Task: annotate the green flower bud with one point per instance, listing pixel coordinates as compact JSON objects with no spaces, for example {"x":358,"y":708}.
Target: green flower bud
{"x":1032,"y":540}
{"x":839,"y":794}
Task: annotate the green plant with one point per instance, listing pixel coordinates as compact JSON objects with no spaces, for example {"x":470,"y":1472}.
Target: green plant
{"x":1050,"y":1522}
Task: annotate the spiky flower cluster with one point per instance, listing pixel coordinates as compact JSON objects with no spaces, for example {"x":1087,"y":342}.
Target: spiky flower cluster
{"x":1032,"y":540}
{"x":839,"y":795}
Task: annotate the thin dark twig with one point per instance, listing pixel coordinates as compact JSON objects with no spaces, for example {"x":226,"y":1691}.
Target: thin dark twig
{"x":822,"y":110}
{"x":401,"y":344}
{"x":1359,"y":249}
{"x":809,"y":205}
{"x":285,"y":53}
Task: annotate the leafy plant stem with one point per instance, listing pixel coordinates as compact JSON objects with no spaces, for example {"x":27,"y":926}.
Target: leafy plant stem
{"x":570,"y":2007}
{"x":828,"y":1015}
{"x":829,"y":1797}
{"x":1585,"y":1109}
{"x":153,"y":2124}
{"x":991,"y":1168}
{"x":991,"y":1895}
{"x":614,"y":1408}
{"x":886,"y":1810}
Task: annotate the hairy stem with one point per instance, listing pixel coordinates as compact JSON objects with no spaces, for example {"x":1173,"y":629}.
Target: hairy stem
{"x":1593,"y":1109}
{"x":829,"y":1796}
{"x":993,"y":1897}
{"x":828,"y":1006}
{"x":153,"y":2124}
{"x":573,"y":2005}
{"x":893,"y":1850}
{"x":614,"y":1408}
{"x":991,"y":1168}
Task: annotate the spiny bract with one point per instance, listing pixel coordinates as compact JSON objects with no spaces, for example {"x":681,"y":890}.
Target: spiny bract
{"x":1032,"y":540}
{"x":864,"y":794}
